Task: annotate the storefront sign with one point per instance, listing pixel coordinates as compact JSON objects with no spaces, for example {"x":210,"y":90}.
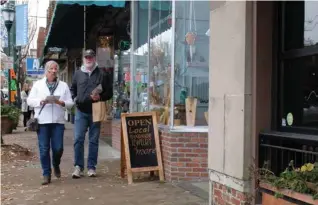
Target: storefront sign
{"x":21,"y":16}
{"x":33,"y":67}
{"x":55,"y":49}
{"x":8,"y":63}
{"x":140,"y":143}
{"x":124,"y":45}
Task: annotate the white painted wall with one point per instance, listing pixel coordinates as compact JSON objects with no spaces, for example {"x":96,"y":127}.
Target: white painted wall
{"x":230,"y":94}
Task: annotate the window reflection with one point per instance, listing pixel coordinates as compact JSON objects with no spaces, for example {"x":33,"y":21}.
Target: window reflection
{"x":140,"y":56}
{"x":160,"y":59}
{"x":301,"y":24}
{"x":192,"y":60}
{"x":300,"y":91}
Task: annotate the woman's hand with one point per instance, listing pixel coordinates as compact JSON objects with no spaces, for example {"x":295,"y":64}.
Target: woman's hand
{"x":43,"y":102}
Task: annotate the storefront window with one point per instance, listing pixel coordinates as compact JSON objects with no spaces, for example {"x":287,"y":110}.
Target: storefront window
{"x":160,"y":58}
{"x":191,"y":85}
{"x":139,"y":35}
{"x":301,"y":24}
{"x":298,"y":99}
{"x":161,"y":43}
{"x":301,"y":91}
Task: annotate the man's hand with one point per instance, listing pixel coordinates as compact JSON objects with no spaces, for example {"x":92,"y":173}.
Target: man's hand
{"x":59,"y":102}
{"x":95,"y":97}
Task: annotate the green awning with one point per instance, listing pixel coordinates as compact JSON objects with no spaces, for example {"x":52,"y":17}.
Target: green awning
{"x":96,"y":3}
{"x":67,"y":25}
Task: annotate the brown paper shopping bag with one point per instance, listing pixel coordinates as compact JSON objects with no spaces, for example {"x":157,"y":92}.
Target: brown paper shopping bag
{"x":99,"y":111}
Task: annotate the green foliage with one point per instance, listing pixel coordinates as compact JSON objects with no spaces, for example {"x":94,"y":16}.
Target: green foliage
{"x":73,"y":110}
{"x":12,"y":112}
{"x":303,"y":180}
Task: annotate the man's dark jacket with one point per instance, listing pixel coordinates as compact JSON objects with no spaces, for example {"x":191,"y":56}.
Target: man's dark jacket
{"x":83,"y":84}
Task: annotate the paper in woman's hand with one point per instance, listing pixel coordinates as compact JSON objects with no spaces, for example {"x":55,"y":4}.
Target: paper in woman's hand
{"x":52,"y":98}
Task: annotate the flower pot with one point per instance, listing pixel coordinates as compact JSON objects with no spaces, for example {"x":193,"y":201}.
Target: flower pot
{"x":190,"y":38}
{"x":6,"y":125}
{"x":288,"y":197}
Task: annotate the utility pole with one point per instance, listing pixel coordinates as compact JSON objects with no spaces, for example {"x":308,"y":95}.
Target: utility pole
{"x":8,"y":14}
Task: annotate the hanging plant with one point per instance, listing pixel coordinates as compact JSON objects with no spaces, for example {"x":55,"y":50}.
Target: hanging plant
{"x":191,"y":35}
{"x":190,"y":38}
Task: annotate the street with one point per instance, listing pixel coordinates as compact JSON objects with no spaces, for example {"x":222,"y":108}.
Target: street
{"x":21,"y":179}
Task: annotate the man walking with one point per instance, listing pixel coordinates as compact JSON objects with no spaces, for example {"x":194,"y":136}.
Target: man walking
{"x":85,"y":80}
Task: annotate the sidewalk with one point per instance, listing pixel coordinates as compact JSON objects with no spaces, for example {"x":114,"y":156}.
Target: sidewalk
{"x":21,"y":180}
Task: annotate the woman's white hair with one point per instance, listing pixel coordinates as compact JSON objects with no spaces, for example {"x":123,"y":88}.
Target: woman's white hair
{"x":49,"y":64}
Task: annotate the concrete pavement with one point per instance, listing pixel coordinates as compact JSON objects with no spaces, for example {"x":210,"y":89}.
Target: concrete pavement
{"x":21,"y":178}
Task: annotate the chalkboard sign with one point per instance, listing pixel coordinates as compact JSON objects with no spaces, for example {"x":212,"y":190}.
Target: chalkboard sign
{"x":140,"y":143}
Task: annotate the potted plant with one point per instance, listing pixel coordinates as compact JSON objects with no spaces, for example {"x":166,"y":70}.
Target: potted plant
{"x":15,"y":114}
{"x":9,"y":118}
{"x":293,"y":186}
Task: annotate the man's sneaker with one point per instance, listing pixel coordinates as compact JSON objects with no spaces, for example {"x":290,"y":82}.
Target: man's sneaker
{"x":57,"y":172}
{"x":77,"y":173}
{"x":91,"y":173}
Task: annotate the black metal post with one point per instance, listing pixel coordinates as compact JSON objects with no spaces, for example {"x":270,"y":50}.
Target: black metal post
{"x":8,"y":26}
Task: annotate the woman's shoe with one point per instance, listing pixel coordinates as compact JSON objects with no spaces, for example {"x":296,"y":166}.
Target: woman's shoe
{"x":46,"y":180}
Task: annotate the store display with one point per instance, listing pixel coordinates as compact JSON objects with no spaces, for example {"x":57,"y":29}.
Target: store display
{"x":183,"y":95}
{"x":191,"y":108}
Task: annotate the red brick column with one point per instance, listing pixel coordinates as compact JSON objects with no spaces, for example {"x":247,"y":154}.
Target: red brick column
{"x":185,"y":156}
{"x":222,"y":194}
{"x":116,"y":134}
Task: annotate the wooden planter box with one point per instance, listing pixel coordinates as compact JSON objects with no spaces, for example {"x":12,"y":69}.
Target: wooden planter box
{"x":290,"y":197}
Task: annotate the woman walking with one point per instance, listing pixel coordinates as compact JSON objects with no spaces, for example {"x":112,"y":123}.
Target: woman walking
{"x":25,"y":109}
{"x":49,"y":97}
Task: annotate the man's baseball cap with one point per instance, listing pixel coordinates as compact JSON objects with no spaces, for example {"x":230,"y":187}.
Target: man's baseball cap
{"x":89,"y":52}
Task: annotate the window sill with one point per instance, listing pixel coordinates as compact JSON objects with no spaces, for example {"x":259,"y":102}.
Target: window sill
{"x":200,"y":129}
{"x":290,"y":135}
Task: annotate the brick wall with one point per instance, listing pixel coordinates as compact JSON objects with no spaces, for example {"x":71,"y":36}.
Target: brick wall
{"x":106,"y":128}
{"x":225,"y":195}
{"x":40,"y":41}
{"x":116,"y":134}
{"x":185,"y":156}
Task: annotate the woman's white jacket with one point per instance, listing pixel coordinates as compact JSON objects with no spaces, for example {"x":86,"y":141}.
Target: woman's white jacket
{"x":24,"y":105}
{"x":51,"y":113}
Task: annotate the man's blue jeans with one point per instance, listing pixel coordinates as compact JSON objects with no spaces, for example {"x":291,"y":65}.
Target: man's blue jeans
{"x":84,"y":121}
{"x":50,"y":135}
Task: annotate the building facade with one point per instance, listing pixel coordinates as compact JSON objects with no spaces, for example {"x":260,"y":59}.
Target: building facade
{"x":232,"y":82}
{"x":40,"y":42}
{"x":263,"y":93}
